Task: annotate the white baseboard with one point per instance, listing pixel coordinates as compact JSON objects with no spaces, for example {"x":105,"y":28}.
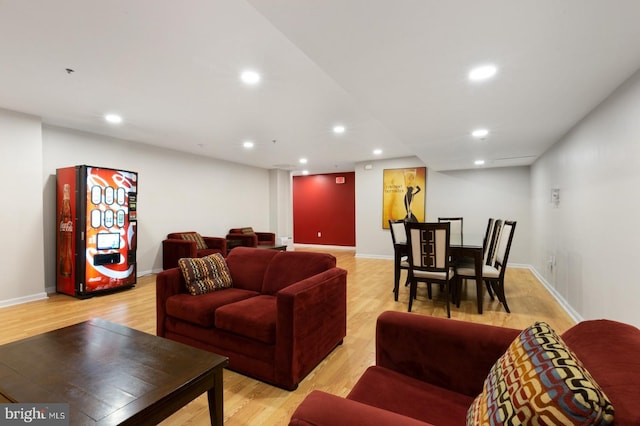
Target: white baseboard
{"x":563,"y":303}
{"x":374,"y":256}
{"x":23,"y":299}
{"x":325,"y":247}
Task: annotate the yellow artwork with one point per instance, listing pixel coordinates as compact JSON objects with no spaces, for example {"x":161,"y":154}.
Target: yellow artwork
{"x":403,"y":195}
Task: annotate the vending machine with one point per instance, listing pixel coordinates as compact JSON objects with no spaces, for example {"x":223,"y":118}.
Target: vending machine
{"x":96,"y":236}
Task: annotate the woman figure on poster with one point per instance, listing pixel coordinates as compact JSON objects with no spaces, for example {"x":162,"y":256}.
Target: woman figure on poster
{"x":408,"y":197}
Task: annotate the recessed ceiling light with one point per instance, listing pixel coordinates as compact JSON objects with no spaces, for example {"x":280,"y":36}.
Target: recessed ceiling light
{"x":482,"y":73}
{"x":305,"y":172}
{"x":113,"y":118}
{"x":338,"y":129}
{"x":377,"y":151}
{"x":478,"y":162}
{"x":303,"y":161}
{"x":480,"y":133}
{"x":248,"y":144}
{"x":250,"y":77}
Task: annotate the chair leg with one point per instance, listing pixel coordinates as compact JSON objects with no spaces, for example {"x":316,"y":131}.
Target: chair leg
{"x":501,"y":295}
{"x":448,"y":289}
{"x":396,"y":277}
{"x":412,"y":294}
{"x":488,"y":284}
{"x":429,"y":289}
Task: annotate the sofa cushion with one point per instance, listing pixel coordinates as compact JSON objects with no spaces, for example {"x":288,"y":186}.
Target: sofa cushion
{"x":200,"y":310}
{"x":248,"y":266}
{"x":254,"y":318}
{"x":205,"y":274}
{"x":194,"y":236}
{"x":289,"y":267}
{"x":538,"y":380}
{"x":387,"y":389}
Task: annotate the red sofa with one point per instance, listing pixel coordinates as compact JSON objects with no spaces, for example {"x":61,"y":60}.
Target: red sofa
{"x":429,"y":370}
{"x":285,"y":312}
{"x":176,"y":246}
{"x":247,"y":237}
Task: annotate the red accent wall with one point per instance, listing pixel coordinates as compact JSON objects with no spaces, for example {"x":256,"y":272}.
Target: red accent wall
{"x":322,"y":205}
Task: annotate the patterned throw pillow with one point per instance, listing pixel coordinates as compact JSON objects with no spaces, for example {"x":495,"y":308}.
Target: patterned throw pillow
{"x":247,"y":230}
{"x":194,"y":236}
{"x":539,"y":381}
{"x":205,"y":274}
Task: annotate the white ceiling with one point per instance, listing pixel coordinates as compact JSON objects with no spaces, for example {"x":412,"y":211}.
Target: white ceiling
{"x":393,"y":72}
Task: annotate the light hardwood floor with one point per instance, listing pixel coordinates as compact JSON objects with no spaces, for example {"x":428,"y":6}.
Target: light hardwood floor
{"x":250,"y":402}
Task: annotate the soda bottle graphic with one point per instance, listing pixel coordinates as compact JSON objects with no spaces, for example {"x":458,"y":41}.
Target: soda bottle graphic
{"x":66,"y":233}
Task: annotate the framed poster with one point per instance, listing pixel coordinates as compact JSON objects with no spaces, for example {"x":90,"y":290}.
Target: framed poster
{"x":403,"y":194}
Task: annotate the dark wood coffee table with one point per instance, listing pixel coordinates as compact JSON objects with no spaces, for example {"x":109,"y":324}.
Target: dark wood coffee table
{"x":110,"y":374}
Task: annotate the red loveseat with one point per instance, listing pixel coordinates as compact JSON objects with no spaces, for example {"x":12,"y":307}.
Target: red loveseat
{"x":189,"y":244}
{"x":285,"y":312}
{"x":429,"y":370}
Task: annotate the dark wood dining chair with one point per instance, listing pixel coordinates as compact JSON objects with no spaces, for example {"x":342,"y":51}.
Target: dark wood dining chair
{"x":429,"y":258}
{"x":456,"y":229}
{"x":400,"y":252}
{"x":493,"y":273}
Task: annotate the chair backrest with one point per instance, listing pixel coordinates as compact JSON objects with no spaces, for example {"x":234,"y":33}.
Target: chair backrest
{"x":488,"y":239}
{"x":428,"y":245}
{"x":398,"y":232}
{"x":504,"y":245}
{"x":456,"y":229}
{"x":492,"y":248}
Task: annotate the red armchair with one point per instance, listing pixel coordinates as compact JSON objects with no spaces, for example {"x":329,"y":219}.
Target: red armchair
{"x":247,"y":237}
{"x":189,"y":244}
{"x":429,"y":370}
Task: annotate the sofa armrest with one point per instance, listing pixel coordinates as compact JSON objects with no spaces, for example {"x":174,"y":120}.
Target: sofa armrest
{"x":174,"y":249}
{"x":455,"y":355}
{"x":216,"y":243}
{"x":311,"y":322}
{"x":320,"y":408}
{"x":168,"y":283}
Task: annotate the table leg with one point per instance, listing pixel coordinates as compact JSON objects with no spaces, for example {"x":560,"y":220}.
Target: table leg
{"x":215,"y":398}
{"x":479,"y":288}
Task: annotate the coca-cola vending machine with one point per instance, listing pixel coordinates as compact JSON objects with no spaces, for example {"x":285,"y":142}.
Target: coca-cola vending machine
{"x":96,"y":238}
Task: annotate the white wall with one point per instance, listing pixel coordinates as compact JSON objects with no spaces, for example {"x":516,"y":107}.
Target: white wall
{"x":22,"y":220}
{"x":281,"y":202}
{"x":476,"y":195}
{"x":594,"y":231}
{"x":177,"y":191}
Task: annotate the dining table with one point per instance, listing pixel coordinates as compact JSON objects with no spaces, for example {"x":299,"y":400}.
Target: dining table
{"x":475,"y":252}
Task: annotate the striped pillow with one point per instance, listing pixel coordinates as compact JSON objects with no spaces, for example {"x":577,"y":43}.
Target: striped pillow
{"x":539,"y":380}
{"x":205,"y":274}
{"x":194,"y":236}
